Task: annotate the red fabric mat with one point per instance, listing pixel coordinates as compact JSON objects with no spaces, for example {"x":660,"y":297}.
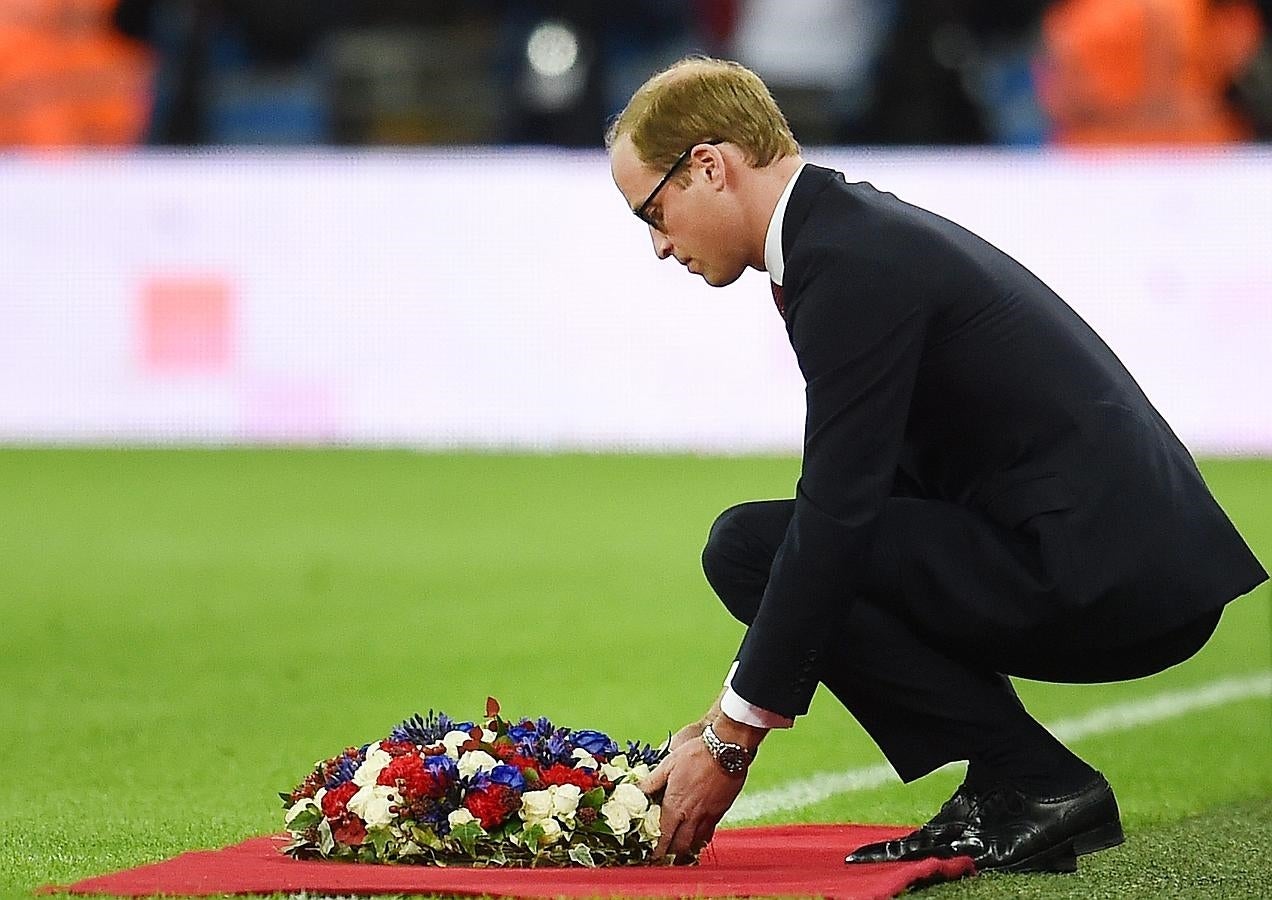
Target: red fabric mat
{"x":802,"y":860}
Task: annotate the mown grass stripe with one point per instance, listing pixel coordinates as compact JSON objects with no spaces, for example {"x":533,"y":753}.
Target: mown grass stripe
{"x":804,"y":792}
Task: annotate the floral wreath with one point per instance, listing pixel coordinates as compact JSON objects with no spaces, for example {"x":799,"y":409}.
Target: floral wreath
{"x":505,"y":793}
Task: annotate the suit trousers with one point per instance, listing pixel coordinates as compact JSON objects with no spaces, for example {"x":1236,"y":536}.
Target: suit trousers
{"x":952,"y":604}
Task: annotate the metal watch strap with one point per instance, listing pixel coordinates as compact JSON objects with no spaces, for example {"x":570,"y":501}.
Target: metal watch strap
{"x":733,"y":758}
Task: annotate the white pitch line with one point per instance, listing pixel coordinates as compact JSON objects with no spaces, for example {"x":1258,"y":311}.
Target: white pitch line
{"x":1105,"y":720}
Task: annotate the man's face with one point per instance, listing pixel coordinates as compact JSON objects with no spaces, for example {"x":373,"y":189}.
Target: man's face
{"x":690,"y":222}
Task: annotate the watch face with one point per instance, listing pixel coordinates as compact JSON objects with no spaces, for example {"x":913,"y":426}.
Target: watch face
{"x":733,"y":758}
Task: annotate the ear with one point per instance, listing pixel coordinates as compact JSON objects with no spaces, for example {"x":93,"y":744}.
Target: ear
{"x":712,"y":163}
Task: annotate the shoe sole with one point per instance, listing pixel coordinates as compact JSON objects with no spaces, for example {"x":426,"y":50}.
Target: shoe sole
{"x":1102,"y":837}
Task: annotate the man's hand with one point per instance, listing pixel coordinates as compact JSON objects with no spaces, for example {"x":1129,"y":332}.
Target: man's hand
{"x":696,"y":793}
{"x":690,"y":732}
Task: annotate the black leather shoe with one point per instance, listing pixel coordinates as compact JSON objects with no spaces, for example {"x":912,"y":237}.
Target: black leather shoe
{"x":940,"y":830}
{"x":1012,"y":832}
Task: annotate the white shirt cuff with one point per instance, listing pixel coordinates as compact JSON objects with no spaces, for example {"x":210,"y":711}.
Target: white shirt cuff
{"x":740,"y":710}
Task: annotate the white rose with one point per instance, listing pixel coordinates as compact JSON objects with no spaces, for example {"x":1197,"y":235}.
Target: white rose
{"x":475,"y":761}
{"x":631,"y":798}
{"x":487,"y":736}
{"x":300,"y":807}
{"x":585,"y":759}
{"x":371,"y":804}
{"x":459,"y":817}
{"x":638,"y":773}
{"x":453,"y":741}
{"x":649,"y":827}
{"x":372,"y":766}
{"x":565,"y":800}
{"x":616,"y":816}
{"x":536,"y":806}
{"x":552,"y":831}
{"x":616,"y":768}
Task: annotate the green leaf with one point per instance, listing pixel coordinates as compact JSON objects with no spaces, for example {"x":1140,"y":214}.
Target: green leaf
{"x":467,"y":835}
{"x":326,"y":840}
{"x":532,"y":837}
{"x":595,"y":798}
{"x":305,"y":819}
{"x":582,"y":856}
{"x":426,"y":837}
{"x":379,"y":838}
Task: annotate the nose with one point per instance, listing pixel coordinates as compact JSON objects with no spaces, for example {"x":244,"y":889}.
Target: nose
{"x":662,"y":244}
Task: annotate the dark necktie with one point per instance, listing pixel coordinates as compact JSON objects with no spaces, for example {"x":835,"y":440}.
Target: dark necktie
{"x":777,"y":298}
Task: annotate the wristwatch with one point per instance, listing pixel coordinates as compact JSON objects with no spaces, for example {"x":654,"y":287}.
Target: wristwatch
{"x":733,"y":758}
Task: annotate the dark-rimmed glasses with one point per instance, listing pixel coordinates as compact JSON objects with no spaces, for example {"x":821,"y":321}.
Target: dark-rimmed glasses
{"x":642,"y":211}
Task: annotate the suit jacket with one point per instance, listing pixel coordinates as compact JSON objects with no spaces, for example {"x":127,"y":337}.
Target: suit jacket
{"x":935,"y":361}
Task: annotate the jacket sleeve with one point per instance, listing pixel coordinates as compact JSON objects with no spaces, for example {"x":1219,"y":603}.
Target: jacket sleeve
{"x":857,"y":325}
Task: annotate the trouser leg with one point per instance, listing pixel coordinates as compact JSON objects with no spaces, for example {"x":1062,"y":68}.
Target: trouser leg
{"x":921,"y":659}
{"x":921,"y":706}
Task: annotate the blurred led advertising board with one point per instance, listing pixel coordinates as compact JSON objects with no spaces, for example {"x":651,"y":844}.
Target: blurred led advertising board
{"x":507,"y":299}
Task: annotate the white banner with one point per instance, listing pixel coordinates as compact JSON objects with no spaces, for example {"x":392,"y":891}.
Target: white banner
{"x":507,"y":299}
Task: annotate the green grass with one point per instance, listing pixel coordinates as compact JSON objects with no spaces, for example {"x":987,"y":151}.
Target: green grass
{"x":183,"y":633}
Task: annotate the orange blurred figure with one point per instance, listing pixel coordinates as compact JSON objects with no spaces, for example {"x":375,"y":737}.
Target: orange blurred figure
{"x":68,"y":78}
{"x":1145,"y":71}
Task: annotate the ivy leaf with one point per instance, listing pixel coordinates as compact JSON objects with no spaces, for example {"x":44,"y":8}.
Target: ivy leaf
{"x":583,"y":856}
{"x":532,"y":837}
{"x":467,"y":835}
{"x":326,"y":840}
{"x":426,"y":837}
{"x":305,"y":819}
{"x":379,"y":838}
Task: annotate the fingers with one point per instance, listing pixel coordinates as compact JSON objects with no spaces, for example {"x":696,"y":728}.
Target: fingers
{"x":656,"y":781}
{"x":684,"y":839}
{"x":671,"y":826}
{"x":702,"y":836}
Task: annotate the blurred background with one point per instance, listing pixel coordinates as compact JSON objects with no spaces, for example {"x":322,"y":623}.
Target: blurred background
{"x":412,"y":72}
{"x":271,"y":228}
{"x":391,"y":221}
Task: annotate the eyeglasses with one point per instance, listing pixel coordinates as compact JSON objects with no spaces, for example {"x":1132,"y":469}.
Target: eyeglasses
{"x":642,"y":211}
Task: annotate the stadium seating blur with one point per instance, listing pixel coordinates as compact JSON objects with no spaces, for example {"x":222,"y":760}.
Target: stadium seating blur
{"x":393,"y":72}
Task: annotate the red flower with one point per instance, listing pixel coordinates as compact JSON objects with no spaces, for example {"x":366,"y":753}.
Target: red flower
{"x":350,"y":830}
{"x":398,"y":748}
{"x":333,"y":802}
{"x":523,"y":763}
{"x":410,"y":776}
{"x":492,"y":804}
{"x":584,"y":779}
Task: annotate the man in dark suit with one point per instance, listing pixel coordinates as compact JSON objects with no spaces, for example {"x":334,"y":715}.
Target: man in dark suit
{"x":985,"y":491}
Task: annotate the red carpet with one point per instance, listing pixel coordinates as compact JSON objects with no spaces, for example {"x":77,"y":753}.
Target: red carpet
{"x":800,"y":860}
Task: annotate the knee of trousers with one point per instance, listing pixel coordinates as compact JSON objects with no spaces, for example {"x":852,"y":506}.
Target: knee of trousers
{"x":727,"y":562}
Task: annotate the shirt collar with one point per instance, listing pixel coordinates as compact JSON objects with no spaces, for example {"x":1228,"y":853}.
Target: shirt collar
{"x":774,"y":258}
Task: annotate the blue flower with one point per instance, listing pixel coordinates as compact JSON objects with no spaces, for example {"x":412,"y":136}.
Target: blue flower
{"x":425,"y":730}
{"x":596,"y":743}
{"x":643,"y":753}
{"x":442,"y":766}
{"x":523,"y":733}
{"x":557,"y":749}
{"x":344,"y":770}
{"x":509,"y":776}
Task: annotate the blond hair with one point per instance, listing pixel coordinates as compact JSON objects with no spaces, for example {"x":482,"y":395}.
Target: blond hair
{"x":700,"y":99}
